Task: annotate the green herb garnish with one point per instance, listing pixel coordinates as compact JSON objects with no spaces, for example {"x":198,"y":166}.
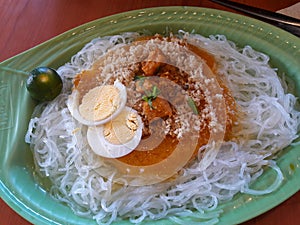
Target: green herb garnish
{"x":139,"y":77}
{"x":151,"y":95}
{"x":193,"y":106}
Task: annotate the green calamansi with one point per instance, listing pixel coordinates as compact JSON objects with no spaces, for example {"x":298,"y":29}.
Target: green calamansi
{"x":44,"y":84}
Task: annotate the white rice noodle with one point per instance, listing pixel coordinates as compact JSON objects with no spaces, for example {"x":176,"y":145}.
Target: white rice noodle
{"x":269,"y":124}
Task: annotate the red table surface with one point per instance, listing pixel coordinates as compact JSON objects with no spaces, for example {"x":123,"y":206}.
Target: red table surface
{"x":26,"y":23}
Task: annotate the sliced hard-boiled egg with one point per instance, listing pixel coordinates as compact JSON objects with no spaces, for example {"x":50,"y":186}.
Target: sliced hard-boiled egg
{"x":118,"y":137}
{"x":99,"y":105}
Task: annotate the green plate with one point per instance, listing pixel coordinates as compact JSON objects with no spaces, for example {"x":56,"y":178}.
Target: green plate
{"x":18,"y":186}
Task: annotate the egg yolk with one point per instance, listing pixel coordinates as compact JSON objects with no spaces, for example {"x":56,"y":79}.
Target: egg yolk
{"x":100,"y":103}
{"x":122,"y":129}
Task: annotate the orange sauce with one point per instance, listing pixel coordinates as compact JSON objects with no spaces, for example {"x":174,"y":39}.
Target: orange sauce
{"x":168,"y":145}
{"x":145,"y":158}
{"x":207,"y":57}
